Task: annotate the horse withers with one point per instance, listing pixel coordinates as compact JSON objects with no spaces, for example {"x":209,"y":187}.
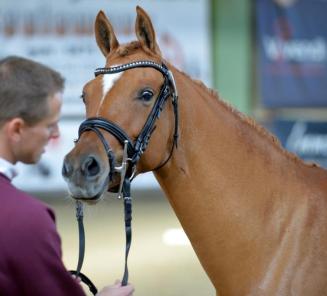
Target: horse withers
{"x":255,"y":214}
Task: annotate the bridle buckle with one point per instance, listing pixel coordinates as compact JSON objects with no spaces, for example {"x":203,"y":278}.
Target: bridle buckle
{"x":122,"y":169}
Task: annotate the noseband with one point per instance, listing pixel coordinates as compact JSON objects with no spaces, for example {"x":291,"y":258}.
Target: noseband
{"x":132,"y":150}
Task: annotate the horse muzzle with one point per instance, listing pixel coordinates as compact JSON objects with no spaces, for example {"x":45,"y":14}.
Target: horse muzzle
{"x":86,"y":177}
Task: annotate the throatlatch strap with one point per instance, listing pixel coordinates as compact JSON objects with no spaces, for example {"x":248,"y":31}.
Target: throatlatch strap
{"x":128,"y":224}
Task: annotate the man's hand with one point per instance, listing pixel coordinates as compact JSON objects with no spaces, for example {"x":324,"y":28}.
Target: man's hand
{"x":117,"y":290}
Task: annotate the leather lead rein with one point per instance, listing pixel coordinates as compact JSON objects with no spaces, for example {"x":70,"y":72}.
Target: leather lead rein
{"x":81,"y":234}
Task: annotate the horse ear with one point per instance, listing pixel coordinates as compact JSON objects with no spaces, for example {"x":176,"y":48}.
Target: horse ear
{"x":145,"y":32}
{"x":104,"y":34}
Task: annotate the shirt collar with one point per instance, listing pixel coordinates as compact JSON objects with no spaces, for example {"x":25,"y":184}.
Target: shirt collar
{"x":8,"y":169}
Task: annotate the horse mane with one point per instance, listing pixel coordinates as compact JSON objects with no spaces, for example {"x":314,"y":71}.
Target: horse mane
{"x":129,"y":48}
{"x":249,"y":121}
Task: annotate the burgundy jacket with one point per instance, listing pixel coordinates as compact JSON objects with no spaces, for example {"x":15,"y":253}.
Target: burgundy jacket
{"x":30,"y":248}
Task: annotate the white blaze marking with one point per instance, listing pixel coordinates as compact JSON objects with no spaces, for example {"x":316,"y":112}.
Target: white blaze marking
{"x":108,"y":80}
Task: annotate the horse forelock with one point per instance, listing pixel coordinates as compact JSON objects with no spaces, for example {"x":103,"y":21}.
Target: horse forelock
{"x":128,"y":48}
{"x":131,"y":48}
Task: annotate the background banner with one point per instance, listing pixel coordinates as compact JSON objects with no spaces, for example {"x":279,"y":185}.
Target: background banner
{"x":307,"y":139}
{"x":292,"y":57}
{"x":60,"y":33}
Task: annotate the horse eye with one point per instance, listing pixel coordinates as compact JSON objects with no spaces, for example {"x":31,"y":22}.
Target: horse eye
{"x":146,"y":95}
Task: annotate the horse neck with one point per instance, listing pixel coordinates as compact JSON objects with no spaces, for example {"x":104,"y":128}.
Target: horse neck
{"x":224,"y":182}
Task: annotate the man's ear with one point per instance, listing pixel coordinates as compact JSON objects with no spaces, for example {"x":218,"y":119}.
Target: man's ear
{"x":14,"y":128}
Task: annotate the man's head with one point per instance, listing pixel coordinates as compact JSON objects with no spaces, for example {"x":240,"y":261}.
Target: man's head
{"x":30,"y":101}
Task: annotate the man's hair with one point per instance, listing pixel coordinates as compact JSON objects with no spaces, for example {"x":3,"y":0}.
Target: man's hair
{"x":25,"y":87}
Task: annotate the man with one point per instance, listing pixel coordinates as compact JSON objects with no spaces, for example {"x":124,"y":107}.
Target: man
{"x":30,"y":246}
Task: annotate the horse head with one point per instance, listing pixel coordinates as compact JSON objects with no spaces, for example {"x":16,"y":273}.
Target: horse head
{"x":123,"y":132}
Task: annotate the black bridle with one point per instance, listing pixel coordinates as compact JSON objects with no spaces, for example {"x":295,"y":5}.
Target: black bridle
{"x":136,"y":149}
{"x":132,"y":150}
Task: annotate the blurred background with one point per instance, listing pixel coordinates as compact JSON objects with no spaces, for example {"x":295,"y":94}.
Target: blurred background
{"x":268,"y":58}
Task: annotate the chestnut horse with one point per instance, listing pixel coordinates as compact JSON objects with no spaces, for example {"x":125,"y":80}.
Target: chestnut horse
{"x":255,"y":214}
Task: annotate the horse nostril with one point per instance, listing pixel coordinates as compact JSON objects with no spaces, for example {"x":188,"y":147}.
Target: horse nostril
{"x":67,"y":169}
{"x":90,"y":167}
